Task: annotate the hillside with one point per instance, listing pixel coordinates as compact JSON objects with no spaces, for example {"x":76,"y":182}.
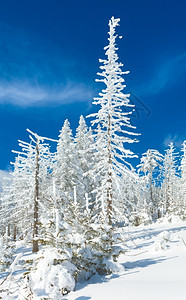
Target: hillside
{"x":154,"y":268}
{"x":154,"y":262}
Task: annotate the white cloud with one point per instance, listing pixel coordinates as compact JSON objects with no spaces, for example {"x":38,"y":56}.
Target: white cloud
{"x":25,"y":94}
{"x":35,"y":72}
{"x":175,"y":139}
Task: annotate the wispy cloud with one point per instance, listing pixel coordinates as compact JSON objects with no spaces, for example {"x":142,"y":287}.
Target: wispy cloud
{"x":34,"y":72}
{"x":175,"y":139}
{"x":26,"y":94}
{"x":165,"y":75}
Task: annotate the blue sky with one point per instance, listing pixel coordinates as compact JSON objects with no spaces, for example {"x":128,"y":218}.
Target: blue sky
{"x":49,"y":53}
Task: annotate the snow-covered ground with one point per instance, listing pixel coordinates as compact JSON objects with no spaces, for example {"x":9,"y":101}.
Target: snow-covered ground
{"x":155,"y":269}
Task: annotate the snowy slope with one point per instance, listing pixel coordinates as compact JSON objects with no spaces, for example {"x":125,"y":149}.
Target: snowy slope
{"x":151,"y":272}
{"x":155,"y":268}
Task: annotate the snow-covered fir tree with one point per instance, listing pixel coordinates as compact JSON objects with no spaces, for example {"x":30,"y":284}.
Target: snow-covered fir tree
{"x":85,"y":147}
{"x":28,"y":192}
{"x":114,"y":124}
{"x":170,"y":181}
{"x":150,"y":161}
{"x":131,"y":199}
{"x":67,"y":171}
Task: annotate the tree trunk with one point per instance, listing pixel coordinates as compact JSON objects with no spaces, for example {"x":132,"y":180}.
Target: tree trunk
{"x":109,"y":202}
{"x":15,"y":232}
{"x":159,"y":213}
{"x":36,"y":195}
{"x":8,"y":230}
{"x":8,"y":233}
{"x":109,"y":188}
{"x":168,"y":197}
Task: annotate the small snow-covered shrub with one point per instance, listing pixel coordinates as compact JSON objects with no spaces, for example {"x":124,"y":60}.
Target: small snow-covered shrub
{"x":174,"y":219}
{"x":58,"y":281}
{"x":104,"y":245}
{"x":159,"y":245}
{"x":52,"y":276}
{"x":162,"y":241}
{"x":113,"y":267}
{"x":165,"y":235}
{"x":140,"y":218}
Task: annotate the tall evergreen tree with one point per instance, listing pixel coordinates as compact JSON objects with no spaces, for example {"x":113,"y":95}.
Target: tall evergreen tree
{"x":114,"y":121}
{"x":85,"y":147}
